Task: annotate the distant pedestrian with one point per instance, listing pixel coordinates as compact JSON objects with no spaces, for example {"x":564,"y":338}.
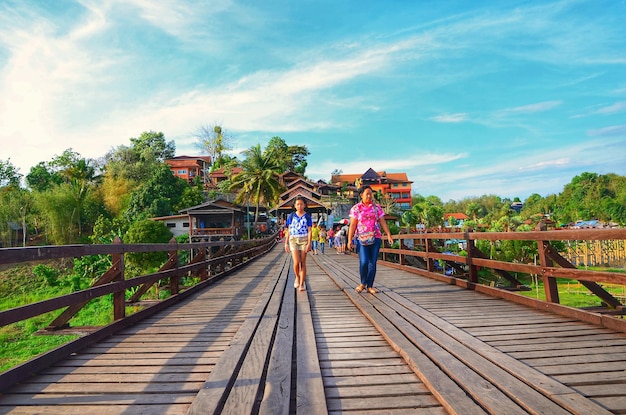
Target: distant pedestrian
{"x":315,"y":238}
{"x":331,"y":237}
{"x":344,"y":239}
{"x":322,"y":238}
{"x":338,"y":243}
{"x":366,"y":221}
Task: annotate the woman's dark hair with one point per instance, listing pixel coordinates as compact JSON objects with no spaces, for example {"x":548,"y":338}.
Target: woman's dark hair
{"x":363,"y":188}
{"x":299,"y":198}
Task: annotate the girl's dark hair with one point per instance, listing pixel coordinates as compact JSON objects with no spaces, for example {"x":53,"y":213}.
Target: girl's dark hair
{"x":299,"y":198}
{"x":363,"y":188}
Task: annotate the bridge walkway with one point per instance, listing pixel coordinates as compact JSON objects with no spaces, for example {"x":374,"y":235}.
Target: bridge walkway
{"x":252,"y":344}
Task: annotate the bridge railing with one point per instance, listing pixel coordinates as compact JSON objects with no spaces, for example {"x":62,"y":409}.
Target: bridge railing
{"x":421,"y":253}
{"x":208,"y":259}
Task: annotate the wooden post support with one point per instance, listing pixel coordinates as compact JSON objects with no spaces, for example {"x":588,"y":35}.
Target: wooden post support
{"x":172,"y":262}
{"x":430,"y":263}
{"x":549,"y":283}
{"x":113,"y":274}
{"x":201,"y":256}
{"x":119,"y":299}
{"x":473,"y":269}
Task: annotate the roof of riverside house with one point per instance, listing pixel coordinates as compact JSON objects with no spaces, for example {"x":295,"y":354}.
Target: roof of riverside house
{"x":371,"y":175}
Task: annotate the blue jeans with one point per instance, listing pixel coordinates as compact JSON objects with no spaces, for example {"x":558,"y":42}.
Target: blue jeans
{"x":368,"y":255}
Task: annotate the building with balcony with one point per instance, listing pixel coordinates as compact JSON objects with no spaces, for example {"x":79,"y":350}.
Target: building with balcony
{"x":191,"y":167}
{"x":394,"y":185}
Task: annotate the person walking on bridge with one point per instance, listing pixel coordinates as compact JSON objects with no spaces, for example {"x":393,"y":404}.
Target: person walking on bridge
{"x":298,"y":240}
{"x":366,"y":221}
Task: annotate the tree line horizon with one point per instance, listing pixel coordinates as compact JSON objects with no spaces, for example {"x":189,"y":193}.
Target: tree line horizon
{"x":72,"y":199}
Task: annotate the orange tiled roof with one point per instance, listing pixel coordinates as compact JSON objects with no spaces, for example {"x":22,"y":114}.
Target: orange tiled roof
{"x":457,"y":216}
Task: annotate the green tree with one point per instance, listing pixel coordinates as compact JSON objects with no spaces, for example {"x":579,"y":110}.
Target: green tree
{"x":42,"y":177}
{"x":66,"y":196}
{"x":592,"y":196}
{"x":258,"y":182}
{"x":427,"y":210}
{"x":9,"y":174}
{"x":58,"y":211}
{"x":290,"y":158}
{"x":214,"y":141}
{"x":158,"y":196}
{"x":15,"y":206}
{"x":433,"y":216}
{"x":143,"y":232}
{"x":473,"y":210}
{"x":408,"y":220}
{"x":191,"y":196}
{"x":137,"y":161}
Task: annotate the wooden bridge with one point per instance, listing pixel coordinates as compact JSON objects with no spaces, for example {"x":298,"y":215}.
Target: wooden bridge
{"x":250,"y":343}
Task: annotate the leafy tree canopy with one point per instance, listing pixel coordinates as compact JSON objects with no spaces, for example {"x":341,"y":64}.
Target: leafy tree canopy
{"x":214,"y":141}
{"x":158,"y":196}
{"x":69,"y":167}
{"x":137,"y":161}
{"x":290,"y":158}
{"x":9,"y":174}
{"x":258,"y":182}
{"x":147,"y":231}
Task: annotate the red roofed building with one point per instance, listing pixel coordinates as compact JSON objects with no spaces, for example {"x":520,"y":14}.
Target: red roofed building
{"x":190,"y":167}
{"x":394,"y":185}
{"x":221,"y":174}
{"x":457,"y":216}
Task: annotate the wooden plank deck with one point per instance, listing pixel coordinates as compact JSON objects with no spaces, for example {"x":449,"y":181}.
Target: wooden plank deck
{"x":252,"y":344}
{"x":505,"y":356}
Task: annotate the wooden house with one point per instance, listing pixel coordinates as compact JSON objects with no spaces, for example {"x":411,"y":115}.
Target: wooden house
{"x":394,"y":185}
{"x":190,"y":167}
{"x":215,"y":219}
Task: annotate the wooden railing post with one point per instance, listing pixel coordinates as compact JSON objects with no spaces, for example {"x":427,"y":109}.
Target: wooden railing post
{"x":471,"y":248}
{"x":201,"y":256}
{"x":119,"y":297}
{"x":549,"y":283}
{"x":430,"y":262}
{"x":173,"y":263}
{"x":113,"y":274}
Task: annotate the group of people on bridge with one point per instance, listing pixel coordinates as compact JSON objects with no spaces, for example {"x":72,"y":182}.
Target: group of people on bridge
{"x":364,"y":235}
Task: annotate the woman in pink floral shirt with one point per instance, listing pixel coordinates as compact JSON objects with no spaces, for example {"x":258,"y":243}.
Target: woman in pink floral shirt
{"x":366,"y":221}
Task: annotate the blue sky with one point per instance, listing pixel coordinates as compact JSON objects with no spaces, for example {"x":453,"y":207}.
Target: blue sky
{"x":467,"y":97}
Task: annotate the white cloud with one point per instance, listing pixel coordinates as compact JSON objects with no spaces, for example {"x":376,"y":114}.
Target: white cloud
{"x":614,"y":130}
{"x":612,"y":109}
{"x":450,"y":118}
{"x":538,"y":107}
{"x":564,"y":161}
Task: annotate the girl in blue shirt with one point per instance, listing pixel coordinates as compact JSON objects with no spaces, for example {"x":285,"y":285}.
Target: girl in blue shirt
{"x":298,"y":240}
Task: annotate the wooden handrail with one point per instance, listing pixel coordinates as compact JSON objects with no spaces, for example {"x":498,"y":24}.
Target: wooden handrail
{"x":551,"y":264}
{"x":113,"y":281}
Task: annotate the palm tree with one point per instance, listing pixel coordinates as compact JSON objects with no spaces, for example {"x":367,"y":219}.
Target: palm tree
{"x":258,"y":182}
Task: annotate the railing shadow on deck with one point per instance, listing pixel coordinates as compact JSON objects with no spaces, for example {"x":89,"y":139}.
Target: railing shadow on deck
{"x":207,"y":262}
{"x":420,"y":253}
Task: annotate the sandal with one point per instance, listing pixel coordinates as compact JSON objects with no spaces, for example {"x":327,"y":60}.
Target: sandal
{"x":360,"y":288}
{"x":296,"y":285}
{"x":302,"y":288}
{"x":372,"y":290}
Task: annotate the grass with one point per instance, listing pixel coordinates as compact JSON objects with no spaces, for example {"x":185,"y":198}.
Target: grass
{"x":574,"y":294}
{"x":19,"y":285}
